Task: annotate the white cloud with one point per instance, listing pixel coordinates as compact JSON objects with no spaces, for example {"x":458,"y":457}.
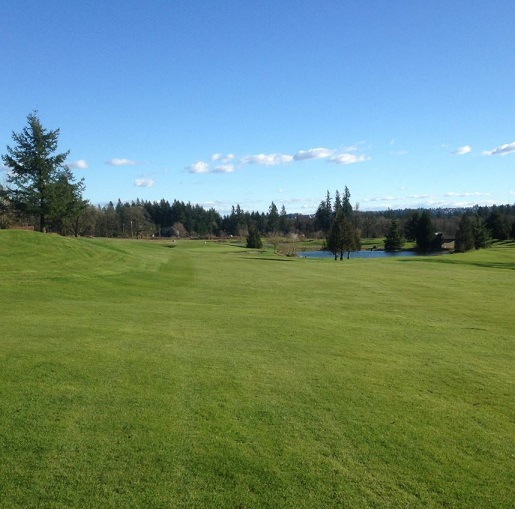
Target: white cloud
{"x":220,"y":157}
{"x":462,"y":150}
{"x":143,"y":182}
{"x":224,"y":168}
{"x":198,"y":167}
{"x":347,"y":159}
{"x":121,"y":162}
{"x":267,"y":159}
{"x":501,"y":150}
{"x":313,"y":153}
{"x":466,"y":194}
{"x":80,"y":164}
{"x":220,"y":163}
{"x":382,"y":198}
{"x":350,"y":148}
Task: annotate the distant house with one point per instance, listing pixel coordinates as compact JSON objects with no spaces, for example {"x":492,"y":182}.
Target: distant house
{"x":446,"y":241}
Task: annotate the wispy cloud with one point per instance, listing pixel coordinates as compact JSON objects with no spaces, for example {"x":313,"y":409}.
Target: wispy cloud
{"x":267,"y":159}
{"x":462,"y":150}
{"x":224,"y":168}
{"x":501,"y":150}
{"x":347,"y":159}
{"x":313,"y":153}
{"x":121,"y":162}
{"x":453,"y":194}
{"x":80,"y":164}
{"x":218,"y":157}
{"x":418,"y":196}
{"x":381,"y":198}
{"x":143,"y":182}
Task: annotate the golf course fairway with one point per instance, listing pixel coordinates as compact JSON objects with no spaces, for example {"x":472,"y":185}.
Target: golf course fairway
{"x":200,"y":374}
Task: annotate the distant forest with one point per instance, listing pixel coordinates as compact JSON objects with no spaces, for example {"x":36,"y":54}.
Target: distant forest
{"x":144,"y":219}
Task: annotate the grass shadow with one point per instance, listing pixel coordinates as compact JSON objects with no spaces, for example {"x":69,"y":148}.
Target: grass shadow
{"x":289,"y":259}
{"x":485,"y":265}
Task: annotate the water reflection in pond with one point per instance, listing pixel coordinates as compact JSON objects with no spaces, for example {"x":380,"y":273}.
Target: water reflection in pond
{"x":365,"y":254}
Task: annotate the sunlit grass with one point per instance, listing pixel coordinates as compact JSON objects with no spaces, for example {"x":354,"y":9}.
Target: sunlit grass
{"x":202,"y":374}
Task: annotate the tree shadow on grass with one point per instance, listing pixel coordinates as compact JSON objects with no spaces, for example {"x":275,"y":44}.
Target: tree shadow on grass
{"x":446,"y":260}
{"x":269,"y":259}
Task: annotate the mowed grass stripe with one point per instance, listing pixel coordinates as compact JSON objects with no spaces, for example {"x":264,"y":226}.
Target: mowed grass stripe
{"x":136,"y":374}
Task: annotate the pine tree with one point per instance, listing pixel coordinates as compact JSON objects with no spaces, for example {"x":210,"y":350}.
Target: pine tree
{"x":394,"y":239}
{"x":335,"y":238}
{"x":498,"y":225}
{"x":323,"y":215}
{"x":37,"y":174}
{"x":482,"y":238}
{"x":283,"y":221}
{"x":425,"y":233}
{"x":346,"y":205}
{"x":342,"y":237}
{"x":272,"y":225}
{"x":410,"y":228}
{"x":337,"y":203}
{"x":465,"y":240}
{"x":68,"y":203}
{"x":254,"y":238}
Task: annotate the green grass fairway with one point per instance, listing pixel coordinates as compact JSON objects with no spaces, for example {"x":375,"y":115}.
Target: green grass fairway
{"x":204,"y":375}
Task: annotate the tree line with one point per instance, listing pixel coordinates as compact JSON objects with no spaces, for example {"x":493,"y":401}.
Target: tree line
{"x":41,"y":191}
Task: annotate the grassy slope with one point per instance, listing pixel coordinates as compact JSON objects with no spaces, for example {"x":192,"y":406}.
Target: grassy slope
{"x":133,"y":374}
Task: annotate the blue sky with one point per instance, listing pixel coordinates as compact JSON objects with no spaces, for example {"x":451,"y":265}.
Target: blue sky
{"x":408,"y":103}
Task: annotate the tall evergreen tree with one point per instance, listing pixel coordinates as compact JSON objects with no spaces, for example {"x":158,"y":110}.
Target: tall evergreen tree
{"x":68,"y":203}
{"x":335,"y":238}
{"x":465,"y":240}
{"x":411,"y":225}
{"x":35,"y":170}
{"x":337,"y":203}
{"x":283,"y":221}
{"x":254,"y":238}
{"x":498,"y":225}
{"x":272,"y":225}
{"x":342,"y":237}
{"x":425,"y":233}
{"x":323,"y":214}
{"x":482,"y":236}
{"x":394,"y":239}
{"x":346,"y":205}
{"x":351,"y":239}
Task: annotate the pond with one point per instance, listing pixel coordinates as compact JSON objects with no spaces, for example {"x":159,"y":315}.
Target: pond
{"x":365,"y":254}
